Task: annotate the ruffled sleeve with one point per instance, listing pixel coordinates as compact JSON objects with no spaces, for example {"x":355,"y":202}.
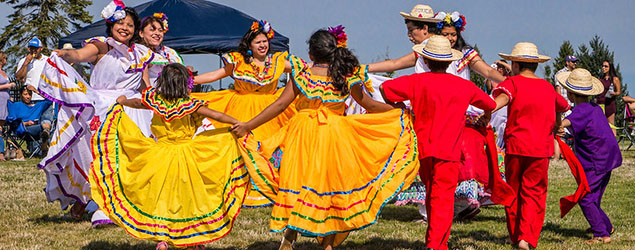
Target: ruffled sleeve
{"x":94,"y":39}
{"x":172,"y":55}
{"x":170,"y":110}
{"x":233,"y":58}
{"x":468,"y":56}
{"x":140,"y":56}
{"x":360,"y":76}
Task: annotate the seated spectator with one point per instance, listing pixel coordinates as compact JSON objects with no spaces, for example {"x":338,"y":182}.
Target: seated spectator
{"x":25,"y":116}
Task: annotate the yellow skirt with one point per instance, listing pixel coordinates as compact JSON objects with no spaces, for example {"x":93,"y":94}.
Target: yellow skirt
{"x":336,"y":172}
{"x":244,"y":106}
{"x":185,"y":192}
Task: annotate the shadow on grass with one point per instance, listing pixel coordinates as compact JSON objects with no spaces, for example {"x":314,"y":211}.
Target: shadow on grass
{"x":477,"y":236}
{"x":558,"y":229}
{"x":406,"y":213}
{"x":60,"y":218}
{"x":373,"y":243}
{"x":95,"y":245}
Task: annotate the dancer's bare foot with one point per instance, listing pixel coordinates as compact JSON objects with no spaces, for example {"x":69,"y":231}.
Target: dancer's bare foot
{"x":77,"y":210}
{"x":522,"y":244}
{"x":288,"y":239}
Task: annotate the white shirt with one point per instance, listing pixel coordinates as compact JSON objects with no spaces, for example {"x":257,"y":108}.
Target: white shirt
{"x":34,"y":70}
{"x":420,"y":66}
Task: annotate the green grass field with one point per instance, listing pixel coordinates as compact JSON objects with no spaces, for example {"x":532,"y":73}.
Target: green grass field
{"x":28,"y":221}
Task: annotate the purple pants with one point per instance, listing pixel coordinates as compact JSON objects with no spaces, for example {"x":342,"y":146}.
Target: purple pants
{"x":590,"y":204}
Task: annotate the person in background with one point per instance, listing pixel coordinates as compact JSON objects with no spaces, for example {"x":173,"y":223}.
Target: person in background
{"x":612,"y":88}
{"x":570,"y":63}
{"x":5,"y":85}
{"x":29,"y":114}
{"x":29,"y":71}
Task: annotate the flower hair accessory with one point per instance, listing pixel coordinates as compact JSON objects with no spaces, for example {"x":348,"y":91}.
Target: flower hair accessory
{"x":114,"y":11}
{"x":263,"y":26}
{"x":455,"y":19}
{"x":340,"y":36}
{"x":190,"y":80}
{"x":164,"y":20}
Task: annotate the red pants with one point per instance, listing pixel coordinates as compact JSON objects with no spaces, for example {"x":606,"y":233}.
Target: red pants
{"x":528,"y":178}
{"x":440,"y":178}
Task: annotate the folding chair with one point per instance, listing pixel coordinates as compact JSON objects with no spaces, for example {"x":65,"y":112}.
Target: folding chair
{"x":18,"y":138}
{"x":628,"y":128}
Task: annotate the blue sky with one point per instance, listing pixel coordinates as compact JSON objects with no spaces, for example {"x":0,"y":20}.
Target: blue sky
{"x":375,"y":28}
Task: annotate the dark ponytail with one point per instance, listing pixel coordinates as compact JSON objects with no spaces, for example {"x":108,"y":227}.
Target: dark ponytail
{"x":342,"y":63}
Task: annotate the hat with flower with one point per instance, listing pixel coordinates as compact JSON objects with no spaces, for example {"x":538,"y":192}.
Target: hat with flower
{"x":454,"y":19}
{"x":263,"y":26}
{"x":114,"y":11}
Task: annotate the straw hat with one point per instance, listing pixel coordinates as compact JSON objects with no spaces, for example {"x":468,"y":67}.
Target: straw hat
{"x":525,"y":52}
{"x":421,"y":12}
{"x":580,"y":81}
{"x":67,"y":46}
{"x":438,"y":48}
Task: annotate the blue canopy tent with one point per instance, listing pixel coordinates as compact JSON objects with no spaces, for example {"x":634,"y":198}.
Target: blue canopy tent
{"x":196,"y":27}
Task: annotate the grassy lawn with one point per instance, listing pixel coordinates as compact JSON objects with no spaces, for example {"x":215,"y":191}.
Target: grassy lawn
{"x":28,"y":221}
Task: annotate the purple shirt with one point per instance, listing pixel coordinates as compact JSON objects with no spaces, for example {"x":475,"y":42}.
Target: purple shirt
{"x":595,"y":144}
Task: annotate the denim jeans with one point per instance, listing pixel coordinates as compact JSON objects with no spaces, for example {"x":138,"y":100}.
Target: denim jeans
{"x":35,"y":131}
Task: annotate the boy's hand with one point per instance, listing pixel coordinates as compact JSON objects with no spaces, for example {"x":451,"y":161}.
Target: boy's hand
{"x":240,"y":129}
{"x":560,"y":132}
{"x":483,"y":119}
{"x":121,"y":99}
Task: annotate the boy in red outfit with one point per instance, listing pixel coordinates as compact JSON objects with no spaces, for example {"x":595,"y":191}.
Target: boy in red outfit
{"x":533,"y":105}
{"x":439,"y":101}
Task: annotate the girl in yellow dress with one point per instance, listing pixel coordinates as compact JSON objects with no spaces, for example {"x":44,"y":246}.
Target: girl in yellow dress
{"x":336,"y":172}
{"x":256,"y":72}
{"x":178,"y":189}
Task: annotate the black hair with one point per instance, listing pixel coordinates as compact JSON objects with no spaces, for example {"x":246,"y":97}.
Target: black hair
{"x":245,"y":44}
{"x":342,"y":63}
{"x":173,"y":81}
{"x":24,"y":87}
{"x":460,"y":43}
{"x":437,"y":65}
{"x":148,"y":21}
{"x":431,"y":27}
{"x":135,"y":19}
{"x":527,"y":66}
{"x":612,"y":73}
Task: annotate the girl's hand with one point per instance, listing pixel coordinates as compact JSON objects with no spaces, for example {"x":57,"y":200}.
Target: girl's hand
{"x":240,"y":129}
{"x":121,"y":99}
{"x":60,"y":52}
{"x":11,"y":84}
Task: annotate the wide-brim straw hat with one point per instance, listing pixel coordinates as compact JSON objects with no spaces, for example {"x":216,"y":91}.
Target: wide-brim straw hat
{"x":525,"y":52}
{"x":580,"y":81}
{"x":438,"y":49}
{"x":421,"y":12}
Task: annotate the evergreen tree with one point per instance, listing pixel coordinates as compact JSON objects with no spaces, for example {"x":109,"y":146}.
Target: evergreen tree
{"x":557,"y":63}
{"x":477,"y":78}
{"x":49,"y":20}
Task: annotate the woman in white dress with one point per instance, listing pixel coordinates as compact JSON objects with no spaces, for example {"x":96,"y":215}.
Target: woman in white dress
{"x":118,"y":68}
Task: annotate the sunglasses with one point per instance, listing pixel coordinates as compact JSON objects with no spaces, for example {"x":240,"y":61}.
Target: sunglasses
{"x":605,"y":66}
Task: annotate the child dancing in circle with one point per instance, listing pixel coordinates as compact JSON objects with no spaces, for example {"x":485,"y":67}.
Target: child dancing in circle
{"x":336,"y":172}
{"x":179,"y":190}
{"x":595,"y":145}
